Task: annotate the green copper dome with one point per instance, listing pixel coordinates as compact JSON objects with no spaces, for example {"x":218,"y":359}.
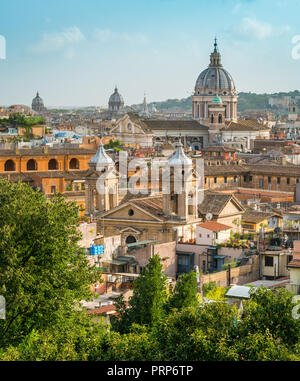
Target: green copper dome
{"x":217,"y":100}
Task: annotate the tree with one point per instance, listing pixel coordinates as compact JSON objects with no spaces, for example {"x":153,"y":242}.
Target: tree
{"x":271,"y":311}
{"x":43,"y":271}
{"x":185,"y":293}
{"x":146,"y":306}
{"x":262,"y":347}
{"x":198,"y":334}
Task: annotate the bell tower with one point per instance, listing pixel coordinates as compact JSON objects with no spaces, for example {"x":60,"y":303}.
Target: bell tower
{"x":180,"y":196}
{"x":101,"y":183}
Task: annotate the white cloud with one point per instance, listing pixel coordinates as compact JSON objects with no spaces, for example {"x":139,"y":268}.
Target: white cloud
{"x":259,"y":29}
{"x":107,"y":35}
{"x":59,"y":41}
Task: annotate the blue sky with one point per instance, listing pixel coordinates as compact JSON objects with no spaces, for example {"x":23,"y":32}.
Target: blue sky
{"x":75,"y":51}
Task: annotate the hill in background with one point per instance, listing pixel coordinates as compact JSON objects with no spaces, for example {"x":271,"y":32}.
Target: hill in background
{"x":247,"y":101}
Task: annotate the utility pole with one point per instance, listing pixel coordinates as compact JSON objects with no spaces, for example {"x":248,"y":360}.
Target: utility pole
{"x":229,"y":275}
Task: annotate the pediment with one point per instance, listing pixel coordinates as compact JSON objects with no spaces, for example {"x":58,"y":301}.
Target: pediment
{"x":127,"y":126}
{"x":124,"y":212}
{"x":131,"y":229}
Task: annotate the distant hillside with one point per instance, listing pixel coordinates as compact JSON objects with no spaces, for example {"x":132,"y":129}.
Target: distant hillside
{"x":247,"y":101}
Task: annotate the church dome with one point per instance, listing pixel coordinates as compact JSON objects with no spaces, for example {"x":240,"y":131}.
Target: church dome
{"x":179,"y":158}
{"x":217,"y":100}
{"x":115,"y":101}
{"x":37,"y":103}
{"x":215,"y":79}
{"x":101,"y":158}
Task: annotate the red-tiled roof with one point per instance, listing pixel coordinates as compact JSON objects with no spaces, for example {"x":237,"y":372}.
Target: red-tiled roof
{"x":102,"y":310}
{"x":214,"y":226}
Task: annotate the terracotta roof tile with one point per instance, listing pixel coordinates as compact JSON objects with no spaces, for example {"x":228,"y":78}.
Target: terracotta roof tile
{"x":214,"y":226}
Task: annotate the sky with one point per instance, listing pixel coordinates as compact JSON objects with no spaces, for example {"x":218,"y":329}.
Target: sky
{"x":74,"y":52}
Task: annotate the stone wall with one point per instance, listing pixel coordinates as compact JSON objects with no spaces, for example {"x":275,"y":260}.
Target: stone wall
{"x":167,"y":253}
{"x":238,"y":275}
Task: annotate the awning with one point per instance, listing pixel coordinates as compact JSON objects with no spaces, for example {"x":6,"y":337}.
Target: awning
{"x":120,"y":261}
{"x":184,"y":253}
{"x":141,"y":243}
{"x":241,"y":292}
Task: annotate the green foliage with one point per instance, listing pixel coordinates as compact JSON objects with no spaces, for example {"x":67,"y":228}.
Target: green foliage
{"x":197,"y":334}
{"x":20,"y":120}
{"x":249,"y":101}
{"x":272,"y":311}
{"x":146,"y":306}
{"x":216,"y":293}
{"x":226,"y":265}
{"x":262,"y":347}
{"x":74,"y":338}
{"x":43,"y":271}
{"x":185,"y":293}
{"x":114,"y":144}
{"x":137,"y":345}
{"x":207,"y":287}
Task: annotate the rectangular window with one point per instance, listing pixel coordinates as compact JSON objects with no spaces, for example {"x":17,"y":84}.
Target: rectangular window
{"x":215,"y":180}
{"x":235,"y":179}
{"x":288,"y":181}
{"x":207,"y":235}
{"x":269,"y":179}
{"x":225,"y":179}
{"x":278,"y":180}
{"x":245,"y":179}
{"x":205,"y":180}
{"x":269,"y":261}
{"x":250,"y":178}
{"x":53,"y":188}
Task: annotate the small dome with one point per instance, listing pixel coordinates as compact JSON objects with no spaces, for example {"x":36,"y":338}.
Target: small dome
{"x":179,"y":158}
{"x":101,"y":158}
{"x":115,"y":101}
{"x":217,"y":100}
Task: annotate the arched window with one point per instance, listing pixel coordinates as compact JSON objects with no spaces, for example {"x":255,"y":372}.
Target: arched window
{"x":52,"y":165}
{"x":130,"y":239}
{"x":212,"y":119}
{"x":220,"y":119}
{"x":74,"y":163}
{"x":9,"y":166}
{"x":31,"y":165}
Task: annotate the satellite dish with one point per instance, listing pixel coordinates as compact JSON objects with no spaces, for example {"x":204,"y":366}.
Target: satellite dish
{"x":209,"y":216}
{"x":295,"y":226}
